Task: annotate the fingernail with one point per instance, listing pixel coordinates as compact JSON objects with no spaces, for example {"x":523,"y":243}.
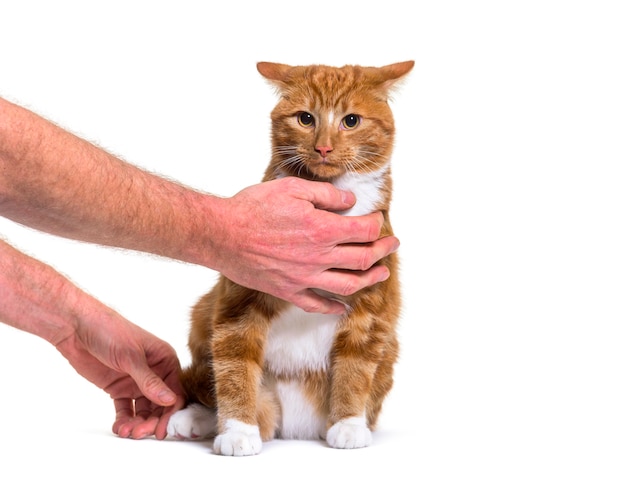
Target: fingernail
{"x":167,"y":396}
{"x":348,"y":198}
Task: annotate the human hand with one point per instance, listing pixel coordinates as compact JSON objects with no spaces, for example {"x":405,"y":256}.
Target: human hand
{"x":138,"y":370}
{"x":281,"y":237}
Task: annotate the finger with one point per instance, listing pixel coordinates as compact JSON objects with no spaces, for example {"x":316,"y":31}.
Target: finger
{"x":322,"y":195}
{"x":311,"y":302}
{"x":146,"y":418}
{"x":161,"y":430}
{"x":144,"y":407}
{"x":124,"y":428}
{"x":143,"y":428}
{"x":345,"y":283}
{"x":151,"y":420}
{"x":136,"y":418}
{"x":361,"y":257}
{"x":124,"y":407}
{"x":151,"y":386}
{"x":354,"y":229}
{"x":124,"y":413}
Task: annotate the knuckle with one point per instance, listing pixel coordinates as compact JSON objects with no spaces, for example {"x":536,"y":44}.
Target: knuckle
{"x":296,"y":186}
{"x":350,"y":286}
{"x":365,"y":260}
{"x":291,"y":182}
{"x":374,"y":230}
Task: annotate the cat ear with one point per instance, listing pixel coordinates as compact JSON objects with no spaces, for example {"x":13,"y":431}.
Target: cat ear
{"x":276,"y":73}
{"x":389,"y":75}
{"x":273,"y":71}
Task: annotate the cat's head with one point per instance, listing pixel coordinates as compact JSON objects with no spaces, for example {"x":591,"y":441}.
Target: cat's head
{"x":330,"y":120}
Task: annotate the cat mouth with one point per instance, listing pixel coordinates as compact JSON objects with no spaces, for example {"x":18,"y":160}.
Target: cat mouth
{"x":315,"y":168}
{"x":324,"y":168}
{"x":325,"y":162}
{"x":318,"y":171}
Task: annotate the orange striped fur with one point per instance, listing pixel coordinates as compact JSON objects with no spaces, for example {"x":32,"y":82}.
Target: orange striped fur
{"x":263,"y":367}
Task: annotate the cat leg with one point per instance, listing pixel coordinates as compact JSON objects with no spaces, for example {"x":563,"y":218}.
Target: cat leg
{"x":364,"y":352}
{"x":240,"y":329}
{"x":194,"y":421}
{"x":237,"y":380}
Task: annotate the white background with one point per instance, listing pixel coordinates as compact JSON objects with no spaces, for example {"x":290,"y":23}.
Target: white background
{"x":509,"y":201}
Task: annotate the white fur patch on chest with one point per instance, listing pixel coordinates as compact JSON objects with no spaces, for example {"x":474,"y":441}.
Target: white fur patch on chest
{"x":366,"y":186}
{"x":298,"y":340}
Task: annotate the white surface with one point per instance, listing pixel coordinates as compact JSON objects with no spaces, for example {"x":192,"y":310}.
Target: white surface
{"x":510,"y":203}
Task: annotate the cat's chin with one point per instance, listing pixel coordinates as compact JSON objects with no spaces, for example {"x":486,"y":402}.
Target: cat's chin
{"x":324,"y":171}
{"x":314,"y":175}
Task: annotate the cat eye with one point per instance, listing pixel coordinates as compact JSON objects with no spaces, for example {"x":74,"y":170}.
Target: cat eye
{"x":306,"y":119}
{"x":350,"y":121}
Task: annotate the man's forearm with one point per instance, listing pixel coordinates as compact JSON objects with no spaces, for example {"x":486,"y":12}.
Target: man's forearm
{"x":34,"y":297}
{"x":56,"y":182}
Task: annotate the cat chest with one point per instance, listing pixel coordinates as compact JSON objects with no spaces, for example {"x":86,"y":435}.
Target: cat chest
{"x":299,"y":341}
{"x":367,"y":187}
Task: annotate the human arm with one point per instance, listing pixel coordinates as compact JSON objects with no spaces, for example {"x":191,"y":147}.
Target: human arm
{"x":138,"y":370}
{"x":276,"y":237}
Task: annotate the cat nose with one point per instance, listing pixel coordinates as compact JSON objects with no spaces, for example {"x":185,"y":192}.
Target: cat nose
{"x":323,"y":150}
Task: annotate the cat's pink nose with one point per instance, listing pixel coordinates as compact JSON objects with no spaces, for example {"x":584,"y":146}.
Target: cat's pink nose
{"x":323,"y":150}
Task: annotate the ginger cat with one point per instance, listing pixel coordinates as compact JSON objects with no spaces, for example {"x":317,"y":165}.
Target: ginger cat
{"x":263,"y":368}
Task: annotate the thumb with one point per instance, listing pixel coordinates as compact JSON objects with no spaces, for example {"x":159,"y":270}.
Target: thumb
{"x":152,"y":387}
{"x":326,"y":196}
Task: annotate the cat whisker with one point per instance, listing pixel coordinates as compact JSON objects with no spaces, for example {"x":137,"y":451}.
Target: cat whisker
{"x":364,"y":161}
{"x":294,"y":163}
{"x":288,"y":157}
{"x":370,"y":155}
{"x":285,"y":151}
{"x":360,"y":165}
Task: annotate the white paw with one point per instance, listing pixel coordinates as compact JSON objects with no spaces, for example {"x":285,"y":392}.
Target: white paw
{"x":349,"y":433}
{"x":195,"y":421}
{"x":238,"y":439}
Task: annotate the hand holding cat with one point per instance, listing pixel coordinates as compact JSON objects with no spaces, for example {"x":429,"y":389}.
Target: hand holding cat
{"x":288,"y":242}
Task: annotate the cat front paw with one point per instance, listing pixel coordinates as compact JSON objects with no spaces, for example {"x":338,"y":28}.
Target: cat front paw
{"x":194,"y":421}
{"x":349,"y":433}
{"x":238,"y":439}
